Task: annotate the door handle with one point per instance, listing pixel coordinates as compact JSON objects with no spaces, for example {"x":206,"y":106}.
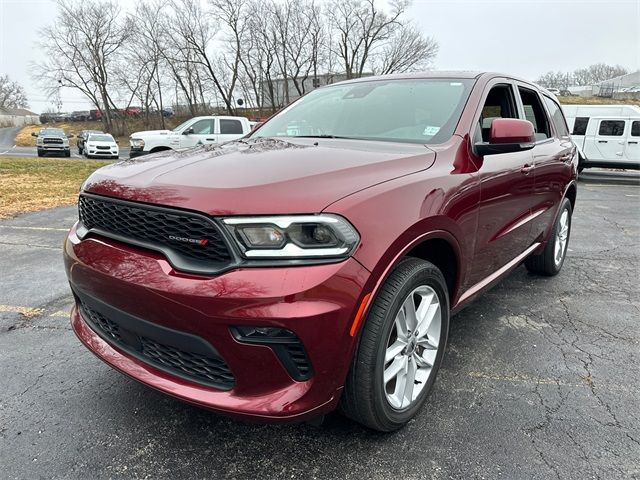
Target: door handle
{"x":211,"y":139}
{"x":527,"y":169}
{"x":632,"y":142}
{"x":619,"y":154}
{"x":603,"y":141}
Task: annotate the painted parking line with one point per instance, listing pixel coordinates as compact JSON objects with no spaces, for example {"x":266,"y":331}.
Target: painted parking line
{"x":7,"y":151}
{"x":42,"y":229}
{"x":30,"y":312}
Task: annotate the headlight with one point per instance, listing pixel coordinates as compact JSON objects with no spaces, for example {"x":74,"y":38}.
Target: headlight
{"x":136,"y":142}
{"x":293,"y":236}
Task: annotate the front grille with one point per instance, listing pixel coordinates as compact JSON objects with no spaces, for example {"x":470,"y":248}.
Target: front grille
{"x":52,"y":140}
{"x":189,"y":236}
{"x":209,"y":370}
{"x":102,"y":147}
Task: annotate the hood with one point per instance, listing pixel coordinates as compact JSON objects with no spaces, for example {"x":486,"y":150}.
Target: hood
{"x":147,"y":133}
{"x":262,"y":176}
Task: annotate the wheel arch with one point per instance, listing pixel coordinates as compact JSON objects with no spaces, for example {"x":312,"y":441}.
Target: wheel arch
{"x":160,"y":148}
{"x":439,"y":247}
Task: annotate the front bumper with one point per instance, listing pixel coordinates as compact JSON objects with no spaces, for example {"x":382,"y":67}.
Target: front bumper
{"x":136,"y":152}
{"x":317,"y":303}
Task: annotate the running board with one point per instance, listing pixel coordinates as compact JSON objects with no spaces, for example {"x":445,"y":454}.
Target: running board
{"x":497,"y":274}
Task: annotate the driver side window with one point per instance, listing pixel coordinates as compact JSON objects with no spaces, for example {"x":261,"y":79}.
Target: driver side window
{"x":203,"y":127}
{"x":500,"y":103}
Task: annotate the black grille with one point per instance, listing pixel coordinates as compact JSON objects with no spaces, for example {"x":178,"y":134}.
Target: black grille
{"x":190,"y":236}
{"x":208,"y":370}
{"x":52,"y":140}
{"x":103,"y":147}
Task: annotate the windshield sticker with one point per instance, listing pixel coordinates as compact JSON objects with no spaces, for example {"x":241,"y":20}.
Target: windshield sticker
{"x":430,"y":131}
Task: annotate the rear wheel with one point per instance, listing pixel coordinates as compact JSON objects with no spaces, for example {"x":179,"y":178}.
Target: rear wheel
{"x":400,"y":349}
{"x":550,"y":261}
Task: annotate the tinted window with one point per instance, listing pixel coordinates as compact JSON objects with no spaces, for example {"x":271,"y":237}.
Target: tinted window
{"x":557,"y":117}
{"x":413,"y":111}
{"x":635,"y":129}
{"x":580,"y":125}
{"x":534,"y":112}
{"x":611,"y":128}
{"x":233,"y":127}
{"x":203,"y":127}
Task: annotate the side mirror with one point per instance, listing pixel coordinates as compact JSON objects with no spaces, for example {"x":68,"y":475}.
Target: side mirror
{"x":188,"y":131}
{"x":34,"y":134}
{"x":508,"y":135}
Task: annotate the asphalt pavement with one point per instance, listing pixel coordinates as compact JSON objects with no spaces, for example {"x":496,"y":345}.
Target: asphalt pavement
{"x":540,"y":379}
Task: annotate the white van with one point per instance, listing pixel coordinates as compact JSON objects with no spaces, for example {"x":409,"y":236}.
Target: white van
{"x":606,"y":135}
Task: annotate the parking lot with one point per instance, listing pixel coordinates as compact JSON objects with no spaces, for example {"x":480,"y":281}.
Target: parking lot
{"x":540,"y":379}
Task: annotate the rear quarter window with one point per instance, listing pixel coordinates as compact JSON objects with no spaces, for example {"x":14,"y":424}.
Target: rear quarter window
{"x":557,"y":117}
{"x":580,"y":125}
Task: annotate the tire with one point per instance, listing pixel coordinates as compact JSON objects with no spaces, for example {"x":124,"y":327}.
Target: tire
{"x":79,"y":151}
{"x":67,"y":153}
{"x":367,"y":398}
{"x":40,"y":154}
{"x":550,"y":261}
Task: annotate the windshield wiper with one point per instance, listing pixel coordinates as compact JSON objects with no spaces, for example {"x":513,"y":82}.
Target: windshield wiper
{"x":323,"y":135}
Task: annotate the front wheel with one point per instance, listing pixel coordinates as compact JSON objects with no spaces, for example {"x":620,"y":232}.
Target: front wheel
{"x":400,"y":349}
{"x":550,"y":261}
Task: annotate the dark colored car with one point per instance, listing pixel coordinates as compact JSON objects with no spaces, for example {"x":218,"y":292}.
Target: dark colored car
{"x":315,"y":263}
{"x":95,"y":115}
{"x":82,"y":138}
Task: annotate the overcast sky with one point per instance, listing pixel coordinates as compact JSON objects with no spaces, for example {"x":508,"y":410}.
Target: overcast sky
{"x":522,"y":37}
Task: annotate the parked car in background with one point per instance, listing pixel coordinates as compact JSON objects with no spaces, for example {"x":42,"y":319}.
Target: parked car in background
{"x":52,"y":141}
{"x":101,"y":145}
{"x":95,"y":115}
{"x":315,"y":263}
{"x":555,"y":91}
{"x":196,"y":131}
{"x":82,"y":137}
{"x":607,"y":136}
{"x":79,"y":116}
{"x":566,"y":93}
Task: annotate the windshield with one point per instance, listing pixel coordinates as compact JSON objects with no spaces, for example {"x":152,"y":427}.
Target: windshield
{"x":52,"y":131}
{"x":100,"y":138}
{"x":411,"y":111}
{"x":182,"y":125}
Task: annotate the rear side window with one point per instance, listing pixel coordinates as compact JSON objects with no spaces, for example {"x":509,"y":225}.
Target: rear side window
{"x":557,"y":117}
{"x":534,"y":112}
{"x":611,"y":128}
{"x":580,"y":125}
{"x":232,"y":127}
{"x":635,"y":129}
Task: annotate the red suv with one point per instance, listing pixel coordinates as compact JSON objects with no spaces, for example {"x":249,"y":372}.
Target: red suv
{"x":315,"y":263}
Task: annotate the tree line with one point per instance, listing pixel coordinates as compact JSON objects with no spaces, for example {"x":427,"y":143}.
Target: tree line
{"x":591,"y":75}
{"x":206,"y":53}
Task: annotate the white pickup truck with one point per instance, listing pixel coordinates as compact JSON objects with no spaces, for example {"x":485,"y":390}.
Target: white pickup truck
{"x":193,"y":132}
{"x":607,"y":136}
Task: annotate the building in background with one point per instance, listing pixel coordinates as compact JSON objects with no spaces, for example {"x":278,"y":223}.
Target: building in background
{"x":17,"y":117}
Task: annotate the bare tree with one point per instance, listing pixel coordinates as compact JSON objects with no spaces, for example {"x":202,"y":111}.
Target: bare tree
{"x":560,"y":80}
{"x":361,"y":28}
{"x":408,"y":49}
{"x":12,"y":95}
{"x":83,"y":54}
{"x":601,"y":72}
